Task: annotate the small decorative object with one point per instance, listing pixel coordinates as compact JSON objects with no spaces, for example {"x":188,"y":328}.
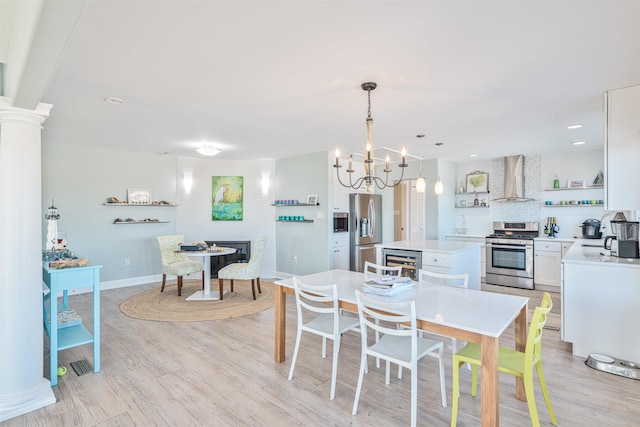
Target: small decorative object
{"x":599,"y":179}
{"x":576,"y":183}
{"x":52,"y":218}
{"x":477,"y":182}
{"x":476,"y":202}
{"x":556,"y":182}
{"x":463,"y":203}
{"x":483,"y":203}
{"x":138,"y":197}
{"x":312,"y":199}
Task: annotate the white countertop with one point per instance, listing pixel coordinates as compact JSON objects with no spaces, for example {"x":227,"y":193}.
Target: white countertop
{"x":472,"y":236}
{"x":444,"y":246}
{"x":579,"y":254}
{"x":560,"y":239}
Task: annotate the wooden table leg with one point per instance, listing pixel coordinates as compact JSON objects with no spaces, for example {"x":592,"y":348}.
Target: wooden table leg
{"x":521,"y":343}
{"x":280,"y":323}
{"x":490,"y":390}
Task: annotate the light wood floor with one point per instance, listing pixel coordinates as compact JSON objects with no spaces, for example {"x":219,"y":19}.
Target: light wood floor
{"x":222,"y":373}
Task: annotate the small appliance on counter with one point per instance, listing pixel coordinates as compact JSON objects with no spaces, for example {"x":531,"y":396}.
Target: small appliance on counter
{"x":626,"y":238}
{"x":591,"y":229}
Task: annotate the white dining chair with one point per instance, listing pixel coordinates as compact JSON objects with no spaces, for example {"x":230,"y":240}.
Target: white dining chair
{"x":373,"y":271}
{"x":457,"y":280}
{"x":317,"y":307}
{"x":397,"y":345}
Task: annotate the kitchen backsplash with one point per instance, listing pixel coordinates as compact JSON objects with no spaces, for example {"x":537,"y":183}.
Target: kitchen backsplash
{"x":517,"y":211}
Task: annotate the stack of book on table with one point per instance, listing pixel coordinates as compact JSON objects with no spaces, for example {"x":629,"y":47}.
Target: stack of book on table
{"x":387,"y":285}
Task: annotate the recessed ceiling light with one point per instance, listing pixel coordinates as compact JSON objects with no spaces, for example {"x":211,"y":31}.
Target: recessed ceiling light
{"x":576,"y":126}
{"x":473,"y":155}
{"x":113,"y":100}
{"x":579,"y":143}
{"x":208,"y":150}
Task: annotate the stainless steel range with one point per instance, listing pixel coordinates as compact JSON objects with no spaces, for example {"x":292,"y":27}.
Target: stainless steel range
{"x":510,"y":254}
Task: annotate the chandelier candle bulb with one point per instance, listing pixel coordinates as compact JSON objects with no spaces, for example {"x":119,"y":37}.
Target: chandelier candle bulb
{"x":337,"y":158}
{"x":350,"y":163}
{"x":386,"y":169}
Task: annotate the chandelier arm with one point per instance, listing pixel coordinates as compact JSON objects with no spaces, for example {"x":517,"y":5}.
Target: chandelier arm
{"x":351,"y":185}
{"x":401,"y":176}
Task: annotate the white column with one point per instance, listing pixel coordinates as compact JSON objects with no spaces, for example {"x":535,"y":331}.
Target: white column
{"x":23,"y":387}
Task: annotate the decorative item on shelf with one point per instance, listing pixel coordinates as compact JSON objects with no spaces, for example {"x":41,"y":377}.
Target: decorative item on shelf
{"x":599,"y":180}
{"x":576,"y":183}
{"x":138,"y":197}
{"x":369,"y":179}
{"x":476,"y":202}
{"x":312,"y":199}
{"x":463,"y":203}
{"x":556,"y":182}
{"x":460,"y":188}
{"x":478,"y":182}
{"x":483,"y":203}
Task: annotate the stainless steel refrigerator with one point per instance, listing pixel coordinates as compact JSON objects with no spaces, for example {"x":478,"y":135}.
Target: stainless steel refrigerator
{"x":365,"y":230}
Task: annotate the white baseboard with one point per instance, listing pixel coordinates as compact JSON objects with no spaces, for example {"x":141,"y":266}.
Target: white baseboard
{"x":131,"y":281}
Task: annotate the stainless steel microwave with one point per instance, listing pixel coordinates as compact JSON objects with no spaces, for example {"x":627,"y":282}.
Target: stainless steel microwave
{"x":340,"y":222}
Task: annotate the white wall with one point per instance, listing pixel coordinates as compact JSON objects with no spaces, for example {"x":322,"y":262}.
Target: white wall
{"x":194,"y":207}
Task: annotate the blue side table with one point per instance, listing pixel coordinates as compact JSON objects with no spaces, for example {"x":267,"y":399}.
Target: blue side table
{"x":76,"y":334}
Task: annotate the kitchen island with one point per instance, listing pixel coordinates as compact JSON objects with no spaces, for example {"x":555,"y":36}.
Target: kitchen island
{"x":600,"y":302}
{"x":439,"y":256}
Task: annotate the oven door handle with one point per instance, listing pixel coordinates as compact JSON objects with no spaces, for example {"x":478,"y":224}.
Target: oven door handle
{"x":514,"y":246}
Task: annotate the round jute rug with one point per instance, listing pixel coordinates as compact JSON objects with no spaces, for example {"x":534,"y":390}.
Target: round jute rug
{"x":167,"y":306}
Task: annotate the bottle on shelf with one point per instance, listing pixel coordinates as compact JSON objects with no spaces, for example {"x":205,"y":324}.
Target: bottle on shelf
{"x":476,"y":202}
{"x":556,"y":182}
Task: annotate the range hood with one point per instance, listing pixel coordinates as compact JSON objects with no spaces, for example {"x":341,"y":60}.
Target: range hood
{"x":513,"y":180}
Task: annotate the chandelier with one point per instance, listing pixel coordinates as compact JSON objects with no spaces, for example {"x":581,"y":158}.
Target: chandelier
{"x":369,"y":179}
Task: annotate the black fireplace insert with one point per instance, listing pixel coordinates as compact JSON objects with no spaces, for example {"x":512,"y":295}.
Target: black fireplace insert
{"x":243,"y":254}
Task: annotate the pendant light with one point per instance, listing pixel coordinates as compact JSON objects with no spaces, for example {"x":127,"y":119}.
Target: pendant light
{"x":438,"y":188}
{"x":421,"y":184}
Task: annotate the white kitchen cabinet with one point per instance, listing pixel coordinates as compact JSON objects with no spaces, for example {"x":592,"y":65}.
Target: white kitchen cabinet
{"x":340,"y":251}
{"x":565,"y":247}
{"x":546,"y":265}
{"x":601,"y":304}
{"x":341,"y":257}
{"x":483,"y":250}
{"x":622,"y":149}
{"x":340,"y":195}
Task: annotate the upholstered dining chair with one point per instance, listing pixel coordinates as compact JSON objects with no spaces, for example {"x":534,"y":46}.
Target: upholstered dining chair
{"x":512,"y":362}
{"x":245,"y":271}
{"x":176,"y":264}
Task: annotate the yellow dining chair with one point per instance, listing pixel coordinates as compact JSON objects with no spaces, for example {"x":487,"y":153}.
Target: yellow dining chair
{"x":511,"y":362}
{"x":176,"y":264}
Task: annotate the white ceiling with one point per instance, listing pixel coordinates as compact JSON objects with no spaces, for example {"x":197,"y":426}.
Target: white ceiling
{"x":272,"y":79}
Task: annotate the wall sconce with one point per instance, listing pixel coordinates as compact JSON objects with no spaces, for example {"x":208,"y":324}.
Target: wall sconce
{"x":266,"y":181}
{"x":188,"y":181}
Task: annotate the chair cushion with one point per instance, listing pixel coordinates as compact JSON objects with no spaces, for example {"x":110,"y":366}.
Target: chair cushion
{"x":240,"y":271}
{"x":182,"y":268}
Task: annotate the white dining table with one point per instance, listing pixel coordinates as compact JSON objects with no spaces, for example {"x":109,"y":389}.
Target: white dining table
{"x":466,"y":314}
{"x":206,"y":294}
